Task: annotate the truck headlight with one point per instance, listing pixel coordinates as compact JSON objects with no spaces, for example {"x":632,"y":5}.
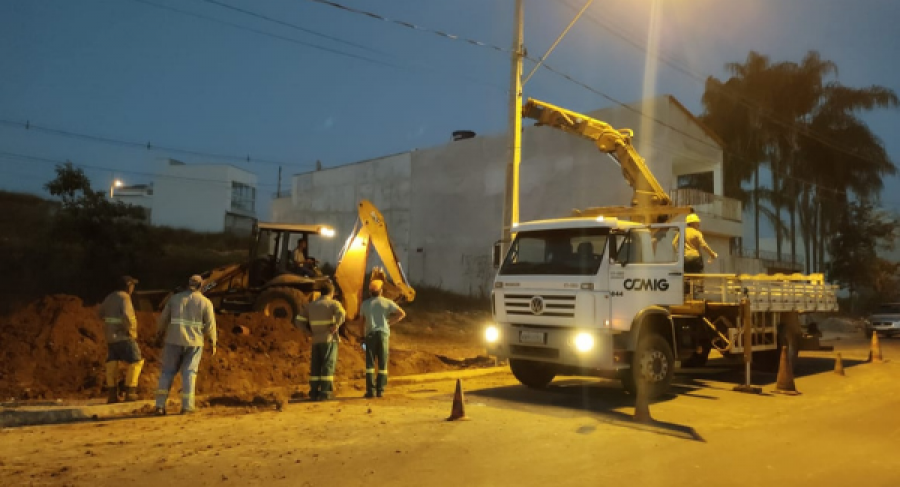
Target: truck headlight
{"x":584,"y":342}
{"x":492,"y":334}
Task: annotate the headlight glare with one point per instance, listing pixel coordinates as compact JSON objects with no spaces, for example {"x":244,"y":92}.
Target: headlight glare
{"x":584,"y":342}
{"x":492,"y":334}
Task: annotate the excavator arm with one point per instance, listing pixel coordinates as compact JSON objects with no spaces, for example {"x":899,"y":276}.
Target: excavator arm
{"x":370,"y":233}
{"x":649,"y":202}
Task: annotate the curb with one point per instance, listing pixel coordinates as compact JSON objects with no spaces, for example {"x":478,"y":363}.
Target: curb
{"x":35,"y":415}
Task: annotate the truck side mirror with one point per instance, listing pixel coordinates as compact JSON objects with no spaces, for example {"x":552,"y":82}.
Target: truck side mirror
{"x":495,"y":255}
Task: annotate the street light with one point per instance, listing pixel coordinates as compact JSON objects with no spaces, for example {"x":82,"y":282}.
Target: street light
{"x":115,"y":184}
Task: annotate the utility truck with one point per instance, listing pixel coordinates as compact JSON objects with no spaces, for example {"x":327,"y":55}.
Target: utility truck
{"x":603,"y":292}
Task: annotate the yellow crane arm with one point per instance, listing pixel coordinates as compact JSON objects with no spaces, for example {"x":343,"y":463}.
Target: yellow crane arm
{"x":616,"y":142}
{"x":370,"y":233}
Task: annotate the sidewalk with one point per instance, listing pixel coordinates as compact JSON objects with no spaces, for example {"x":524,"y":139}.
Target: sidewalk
{"x":13,"y":415}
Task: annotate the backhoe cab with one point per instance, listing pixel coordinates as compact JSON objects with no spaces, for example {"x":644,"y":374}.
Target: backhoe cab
{"x":272,"y":281}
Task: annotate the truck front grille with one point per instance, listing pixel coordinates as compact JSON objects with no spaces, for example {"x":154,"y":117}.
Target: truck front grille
{"x":554,"y":305}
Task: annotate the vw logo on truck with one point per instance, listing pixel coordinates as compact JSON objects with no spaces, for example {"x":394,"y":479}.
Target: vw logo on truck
{"x":537,"y":305}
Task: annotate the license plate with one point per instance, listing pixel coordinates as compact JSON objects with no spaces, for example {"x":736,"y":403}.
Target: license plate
{"x":532,"y":337}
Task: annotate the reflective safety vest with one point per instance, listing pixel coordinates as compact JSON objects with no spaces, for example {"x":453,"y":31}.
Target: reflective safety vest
{"x":118,"y":318}
{"x":319,"y":316}
{"x":187,"y":317}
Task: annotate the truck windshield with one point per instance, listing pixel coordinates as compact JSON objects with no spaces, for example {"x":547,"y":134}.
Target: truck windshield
{"x":568,"y":252}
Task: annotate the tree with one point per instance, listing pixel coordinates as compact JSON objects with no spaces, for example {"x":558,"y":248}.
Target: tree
{"x":862,"y":231}
{"x":99,"y":239}
{"x":791,"y":119}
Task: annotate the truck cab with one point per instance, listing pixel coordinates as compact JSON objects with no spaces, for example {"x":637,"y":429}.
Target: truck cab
{"x":574,"y":296}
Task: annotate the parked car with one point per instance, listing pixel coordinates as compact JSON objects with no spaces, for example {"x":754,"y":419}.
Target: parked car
{"x":885,"y":320}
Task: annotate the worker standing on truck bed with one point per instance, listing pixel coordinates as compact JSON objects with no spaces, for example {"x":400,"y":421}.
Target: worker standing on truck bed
{"x":323,"y":317}
{"x":187,"y":317}
{"x":379,"y":313}
{"x":693,"y":245}
{"x":120,"y":328}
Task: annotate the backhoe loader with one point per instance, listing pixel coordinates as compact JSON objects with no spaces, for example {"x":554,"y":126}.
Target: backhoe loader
{"x":273,"y":283}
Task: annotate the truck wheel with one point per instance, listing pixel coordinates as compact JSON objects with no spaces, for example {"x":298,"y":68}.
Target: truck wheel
{"x":655,"y":362}
{"x":281,"y":303}
{"x":532,"y":374}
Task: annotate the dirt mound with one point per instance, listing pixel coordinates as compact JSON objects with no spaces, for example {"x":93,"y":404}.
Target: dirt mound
{"x":54,"y":348}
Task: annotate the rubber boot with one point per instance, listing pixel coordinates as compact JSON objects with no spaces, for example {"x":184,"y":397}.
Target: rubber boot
{"x":131,"y":381}
{"x":112,"y":369}
{"x":113,"y":396}
{"x":131,"y":394}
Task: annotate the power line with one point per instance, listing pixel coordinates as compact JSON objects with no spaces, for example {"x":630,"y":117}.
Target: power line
{"x":412,"y":67}
{"x":290,"y":25}
{"x":45,"y":160}
{"x":268,"y":34}
{"x":410,"y":25}
{"x":746,"y":102}
{"x":27,"y":125}
{"x":505,"y":50}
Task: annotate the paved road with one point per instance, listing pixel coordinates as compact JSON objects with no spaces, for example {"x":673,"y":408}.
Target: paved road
{"x":839,"y":431}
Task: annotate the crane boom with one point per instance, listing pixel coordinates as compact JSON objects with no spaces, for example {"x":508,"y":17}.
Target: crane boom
{"x":370,"y":233}
{"x":649,"y":202}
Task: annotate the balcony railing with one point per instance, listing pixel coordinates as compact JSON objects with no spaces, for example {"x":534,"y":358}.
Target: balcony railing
{"x":770,"y":259}
{"x":711,"y":204}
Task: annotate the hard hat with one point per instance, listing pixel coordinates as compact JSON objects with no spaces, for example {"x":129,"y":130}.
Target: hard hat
{"x":376,"y":285}
{"x":692,"y":218}
{"x":195,"y":282}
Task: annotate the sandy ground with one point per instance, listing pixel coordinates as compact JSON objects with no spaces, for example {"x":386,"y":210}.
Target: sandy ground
{"x":54,"y":348}
{"x":839,"y":431}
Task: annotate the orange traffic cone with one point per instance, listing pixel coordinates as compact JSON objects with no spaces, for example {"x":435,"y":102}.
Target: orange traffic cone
{"x":839,"y":365}
{"x":785,"y":382}
{"x":642,"y":404}
{"x":875,"y":353}
{"x":458,"y":413}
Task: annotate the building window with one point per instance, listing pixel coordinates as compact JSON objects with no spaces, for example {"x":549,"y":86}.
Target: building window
{"x":243,"y":197}
{"x":700,"y":180}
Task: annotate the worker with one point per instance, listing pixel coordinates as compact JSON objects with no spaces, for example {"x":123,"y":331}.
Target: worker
{"x":187,"y":317}
{"x":693,"y":245}
{"x":322,"y":318}
{"x":379,"y":314}
{"x":120,"y":327}
{"x":300,"y":253}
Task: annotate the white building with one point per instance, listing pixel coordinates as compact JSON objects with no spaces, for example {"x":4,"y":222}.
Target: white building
{"x":199,"y":197}
{"x":444,"y":205}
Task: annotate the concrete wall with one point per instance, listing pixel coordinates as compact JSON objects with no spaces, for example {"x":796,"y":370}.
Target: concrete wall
{"x":195,"y":196}
{"x":456,"y":211}
{"x":444,"y":205}
{"x":330,"y":196}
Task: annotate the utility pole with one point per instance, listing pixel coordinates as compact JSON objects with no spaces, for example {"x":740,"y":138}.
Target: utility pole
{"x":514,"y":138}
{"x":278,"y":192}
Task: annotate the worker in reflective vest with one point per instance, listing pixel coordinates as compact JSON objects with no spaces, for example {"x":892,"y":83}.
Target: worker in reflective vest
{"x":186,"y":319}
{"x":379,"y":314}
{"x":322,"y":318}
{"x":120,"y":328}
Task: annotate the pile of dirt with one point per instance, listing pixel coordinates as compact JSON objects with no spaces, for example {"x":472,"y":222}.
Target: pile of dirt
{"x":54,"y":348}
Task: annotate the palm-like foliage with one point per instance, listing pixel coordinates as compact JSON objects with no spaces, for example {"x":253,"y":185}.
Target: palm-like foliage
{"x":790,"y":119}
